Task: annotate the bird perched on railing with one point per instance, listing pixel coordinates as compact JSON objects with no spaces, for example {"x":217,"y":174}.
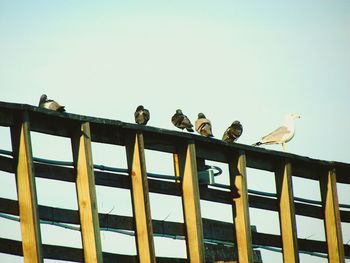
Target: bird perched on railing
{"x":50,"y":104}
{"x":142,"y":115}
{"x":233,"y":132}
{"x":203,"y":126}
{"x":181,"y":121}
{"x":283,"y":134}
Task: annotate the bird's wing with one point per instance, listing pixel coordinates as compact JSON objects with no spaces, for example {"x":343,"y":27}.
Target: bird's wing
{"x":177,"y":119}
{"x":186,"y":121}
{"x":147,"y":115}
{"x":200,"y":123}
{"x":277,"y":136}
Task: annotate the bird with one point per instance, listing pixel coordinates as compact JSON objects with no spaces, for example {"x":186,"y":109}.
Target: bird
{"x":203,"y":126}
{"x":281,"y":135}
{"x":181,"y":121}
{"x":233,"y":132}
{"x":142,"y":115}
{"x":50,"y":104}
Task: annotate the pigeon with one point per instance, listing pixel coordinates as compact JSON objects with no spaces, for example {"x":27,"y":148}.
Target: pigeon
{"x":233,"y":132}
{"x":142,"y":115}
{"x":181,"y":121}
{"x":203,"y":126}
{"x":50,"y":104}
{"x":283,"y":134}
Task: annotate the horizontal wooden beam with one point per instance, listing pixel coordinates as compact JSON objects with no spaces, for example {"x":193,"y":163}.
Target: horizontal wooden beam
{"x":212,"y":229}
{"x":14,"y":247}
{"x":114,"y":131}
{"x":168,"y":188}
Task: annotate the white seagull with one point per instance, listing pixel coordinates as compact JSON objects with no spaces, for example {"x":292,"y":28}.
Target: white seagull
{"x":283,"y":134}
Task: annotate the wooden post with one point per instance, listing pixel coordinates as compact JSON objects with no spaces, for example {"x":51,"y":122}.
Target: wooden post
{"x":176,"y":167}
{"x":238,"y":178}
{"x":85,"y":184}
{"x":26,"y":190}
{"x":140,"y":198}
{"x":191,"y":204}
{"x":284,"y":188}
{"x":332,"y":219}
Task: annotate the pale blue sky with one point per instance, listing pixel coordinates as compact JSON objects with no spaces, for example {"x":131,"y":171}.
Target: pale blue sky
{"x":254,"y":62}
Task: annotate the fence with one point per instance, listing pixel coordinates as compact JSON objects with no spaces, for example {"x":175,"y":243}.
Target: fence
{"x":187,"y":149}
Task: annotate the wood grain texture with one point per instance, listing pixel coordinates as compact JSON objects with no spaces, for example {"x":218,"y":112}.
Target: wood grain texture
{"x":85,"y":185}
{"x":26,"y":191}
{"x":332,"y":219}
{"x":191,"y":204}
{"x":238,"y":176}
{"x":284,"y":189}
{"x":140,"y":198}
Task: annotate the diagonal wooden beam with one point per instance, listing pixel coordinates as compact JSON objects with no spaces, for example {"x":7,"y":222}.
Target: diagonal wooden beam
{"x":26,"y":190}
{"x":332,"y":221}
{"x":87,"y":201}
{"x":140,"y":198}
{"x":284,"y":188}
{"x":191,"y":204}
{"x":240,"y":209}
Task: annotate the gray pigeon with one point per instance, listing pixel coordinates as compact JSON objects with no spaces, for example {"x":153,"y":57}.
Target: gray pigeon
{"x":50,"y":104}
{"x":233,"y":132}
{"x":142,"y":115}
{"x":181,"y":121}
{"x":203,"y":126}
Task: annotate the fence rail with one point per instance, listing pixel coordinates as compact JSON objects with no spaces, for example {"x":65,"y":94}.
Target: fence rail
{"x":186,"y":149}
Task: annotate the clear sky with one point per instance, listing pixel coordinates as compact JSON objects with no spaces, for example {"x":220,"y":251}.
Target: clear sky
{"x":254,"y":62}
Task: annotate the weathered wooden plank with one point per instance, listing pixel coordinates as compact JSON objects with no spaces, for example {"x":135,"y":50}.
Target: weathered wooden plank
{"x":191,"y":204}
{"x":212,"y":229}
{"x":176,"y":167}
{"x":26,"y":190}
{"x":85,"y":185}
{"x":13,"y":247}
{"x":238,"y":176}
{"x":332,"y":220}
{"x":168,"y":188}
{"x":284,"y":189}
{"x":140,"y":198}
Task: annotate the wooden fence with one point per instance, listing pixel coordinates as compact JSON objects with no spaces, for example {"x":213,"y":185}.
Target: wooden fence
{"x":186,"y":150}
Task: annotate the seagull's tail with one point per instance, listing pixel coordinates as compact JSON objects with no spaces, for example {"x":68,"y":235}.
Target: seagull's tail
{"x":190,"y":129}
{"x":256,"y":144}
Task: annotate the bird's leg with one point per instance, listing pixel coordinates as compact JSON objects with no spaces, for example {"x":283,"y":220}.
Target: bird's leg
{"x":284,"y":146}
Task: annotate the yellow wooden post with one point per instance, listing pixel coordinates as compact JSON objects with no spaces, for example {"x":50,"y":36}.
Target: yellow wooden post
{"x":191,"y":204}
{"x":140,"y":199}
{"x":26,"y":190}
{"x":238,"y":176}
{"x":332,"y":219}
{"x":85,"y":184}
{"x":176,"y":167}
{"x":283,"y":178}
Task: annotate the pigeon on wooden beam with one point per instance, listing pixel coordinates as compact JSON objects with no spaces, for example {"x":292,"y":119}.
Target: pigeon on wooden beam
{"x":181,"y":121}
{"x":283,"y":134}
{"x":233,"y":132}
{"x":203,"y":126}
{"x":142,"y":115}
{"x":50,"y":104}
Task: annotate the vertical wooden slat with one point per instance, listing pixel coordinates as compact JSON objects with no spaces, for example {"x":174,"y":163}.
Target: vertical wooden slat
{"x":332,"y":219}
{"x":238,"y":179}
{"x":26,"y":190}
{"x":284,"y":188}
{"x":191,"y":204}
{"x":176,"y":167}
{"x":85,"y":184}
{"x":140,"y":198}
